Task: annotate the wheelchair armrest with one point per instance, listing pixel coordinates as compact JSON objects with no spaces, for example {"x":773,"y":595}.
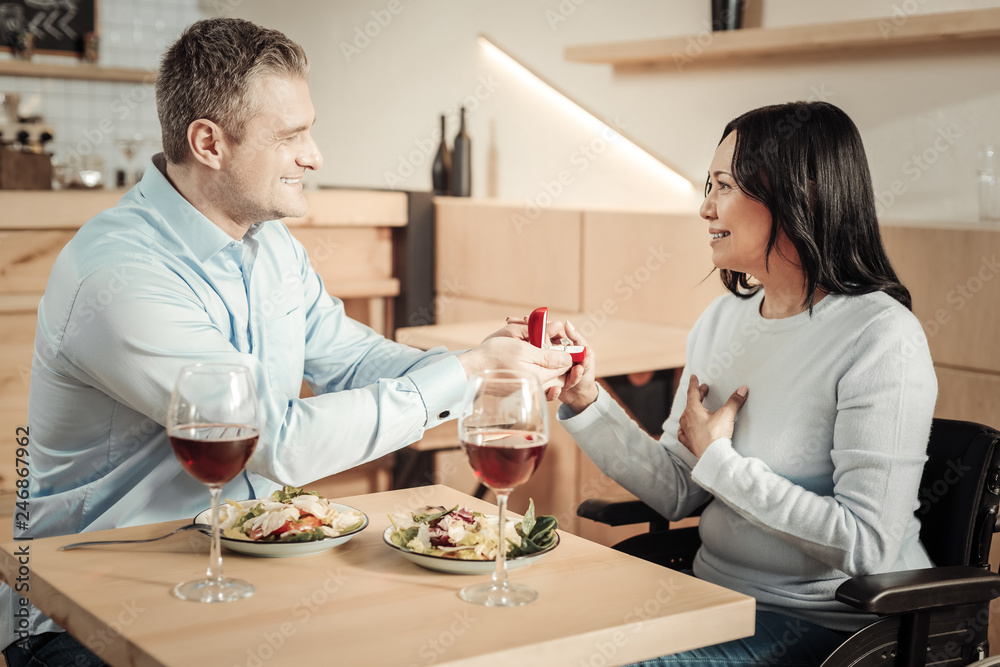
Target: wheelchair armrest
{"x":919,"y":590}
{"x":618,"y":511}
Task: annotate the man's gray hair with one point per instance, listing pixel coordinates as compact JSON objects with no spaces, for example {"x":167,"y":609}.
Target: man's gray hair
{"x":211,"y":72}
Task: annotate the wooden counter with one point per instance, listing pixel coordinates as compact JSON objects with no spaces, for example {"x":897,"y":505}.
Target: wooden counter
{"x":953,"y":274}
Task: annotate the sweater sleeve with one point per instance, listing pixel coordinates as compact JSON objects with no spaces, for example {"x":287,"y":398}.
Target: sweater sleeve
{"x":656,"y":471}
{"x":885,"y":401}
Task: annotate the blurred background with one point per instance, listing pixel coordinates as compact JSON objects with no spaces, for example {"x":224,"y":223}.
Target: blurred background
{"x":382,"y":72}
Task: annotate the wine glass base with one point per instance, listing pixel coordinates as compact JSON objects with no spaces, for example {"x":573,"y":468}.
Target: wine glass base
{"x":214,"y":590}
{"x":488,"y":595}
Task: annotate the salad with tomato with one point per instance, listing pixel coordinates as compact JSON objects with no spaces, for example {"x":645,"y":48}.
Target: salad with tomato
{"x":463,"y":534}
{"x":289,"y":515}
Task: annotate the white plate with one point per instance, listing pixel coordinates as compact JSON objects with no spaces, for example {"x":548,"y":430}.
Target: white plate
{"x":285,"y":549}
{"x":456,"y":566}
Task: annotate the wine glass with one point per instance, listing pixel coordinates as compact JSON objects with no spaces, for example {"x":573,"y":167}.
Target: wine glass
{"x":129,"y":146}
{"x":504,"y":429}
{"x":213,"y":426}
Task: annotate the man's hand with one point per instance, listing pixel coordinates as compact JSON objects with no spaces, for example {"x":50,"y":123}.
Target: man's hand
{"x":698,"y":427}
{"x":504,"y":351}
{"x":580,"y":388}
{"x":517,"y":327}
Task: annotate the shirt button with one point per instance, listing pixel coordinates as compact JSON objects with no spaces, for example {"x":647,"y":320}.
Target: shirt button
{"x":445,"y":414}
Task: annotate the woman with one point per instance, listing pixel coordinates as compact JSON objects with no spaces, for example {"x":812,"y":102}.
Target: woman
{"x":805,"y":406}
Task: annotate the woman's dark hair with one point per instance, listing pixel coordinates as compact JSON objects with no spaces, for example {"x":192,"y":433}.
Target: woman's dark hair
{"x":805,"y":162}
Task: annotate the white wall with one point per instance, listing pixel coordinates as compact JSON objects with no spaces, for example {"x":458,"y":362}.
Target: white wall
{"x":378,"y":105}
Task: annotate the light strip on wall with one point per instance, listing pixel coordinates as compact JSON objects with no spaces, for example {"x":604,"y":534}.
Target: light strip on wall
{"x":568,"y":105}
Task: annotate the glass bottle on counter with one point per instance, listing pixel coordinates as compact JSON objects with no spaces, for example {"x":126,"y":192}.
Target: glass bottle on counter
{"x":461,"y":174}
{"x":441,"y":167}
{"x":989,"y":187}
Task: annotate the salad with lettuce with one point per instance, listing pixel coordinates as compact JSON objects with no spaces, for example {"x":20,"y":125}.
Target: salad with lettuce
{"x":289,"y":515}
{"x":462,"y":534}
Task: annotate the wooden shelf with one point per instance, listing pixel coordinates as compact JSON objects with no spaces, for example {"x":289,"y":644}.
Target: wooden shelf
{"x":979,"y":28}
{"x":83,"y":71}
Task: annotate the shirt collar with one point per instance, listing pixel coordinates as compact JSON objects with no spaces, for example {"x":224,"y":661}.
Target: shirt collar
{"x":203,"y":237}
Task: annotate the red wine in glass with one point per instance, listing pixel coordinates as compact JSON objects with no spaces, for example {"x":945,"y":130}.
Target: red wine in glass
{"x":503,"y":426}
{"x":213,"y":422}
{"x":504,"y":459}
{"x":214,"y":453}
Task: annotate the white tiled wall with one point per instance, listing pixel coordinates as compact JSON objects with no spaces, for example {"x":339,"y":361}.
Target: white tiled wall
{"x":92,"y":118}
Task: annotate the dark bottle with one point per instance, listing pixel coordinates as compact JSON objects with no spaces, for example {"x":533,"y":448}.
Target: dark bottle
{"x":461,"y":159}
{"x":441,"y":168}
{"x":727,"y":14}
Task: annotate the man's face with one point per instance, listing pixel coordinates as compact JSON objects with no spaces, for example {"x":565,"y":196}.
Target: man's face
{"x":262,"y":176}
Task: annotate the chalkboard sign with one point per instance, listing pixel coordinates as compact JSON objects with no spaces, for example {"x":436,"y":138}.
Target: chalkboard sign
{"x":58,"y":25}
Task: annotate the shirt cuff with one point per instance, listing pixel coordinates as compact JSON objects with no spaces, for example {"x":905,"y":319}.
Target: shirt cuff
{"x":441,"y":386}
{"x":709,"y":468}
{"x":574,"y":422}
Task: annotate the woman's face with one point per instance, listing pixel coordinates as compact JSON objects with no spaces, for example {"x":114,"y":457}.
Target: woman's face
{"x":739,"y":226}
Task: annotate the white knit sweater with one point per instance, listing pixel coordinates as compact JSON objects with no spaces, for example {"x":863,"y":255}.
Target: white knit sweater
{"x":820,"y":479}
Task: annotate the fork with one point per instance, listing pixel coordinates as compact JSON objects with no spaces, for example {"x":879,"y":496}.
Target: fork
{"x":204,"y":527}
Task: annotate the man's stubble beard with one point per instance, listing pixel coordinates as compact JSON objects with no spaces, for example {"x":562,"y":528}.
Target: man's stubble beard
{"x":239,"y":193}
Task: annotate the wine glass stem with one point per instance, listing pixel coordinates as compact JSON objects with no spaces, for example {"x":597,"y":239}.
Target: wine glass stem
{"x":215,"y":558}
{"x":500,"y":574}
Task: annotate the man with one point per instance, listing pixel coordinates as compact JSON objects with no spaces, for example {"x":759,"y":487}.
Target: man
{"x":192,"y":266}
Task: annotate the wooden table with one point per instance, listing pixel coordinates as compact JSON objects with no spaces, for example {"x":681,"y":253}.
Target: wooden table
{"x":363,"y":604}
{"x":620,"y":346}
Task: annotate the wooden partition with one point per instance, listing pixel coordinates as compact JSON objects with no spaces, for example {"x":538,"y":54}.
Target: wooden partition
{"x":647,"y":267}
{"x":650,"y":267}
{"x":490,"y":259}
{"x":953,"y":274}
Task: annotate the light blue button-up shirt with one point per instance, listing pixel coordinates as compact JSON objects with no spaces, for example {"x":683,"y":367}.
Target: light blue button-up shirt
{"x":152,"y":285}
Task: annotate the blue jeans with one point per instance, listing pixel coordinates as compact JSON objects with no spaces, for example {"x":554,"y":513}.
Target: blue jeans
{"x":50,"y":649}
{"x":779,"y":641}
